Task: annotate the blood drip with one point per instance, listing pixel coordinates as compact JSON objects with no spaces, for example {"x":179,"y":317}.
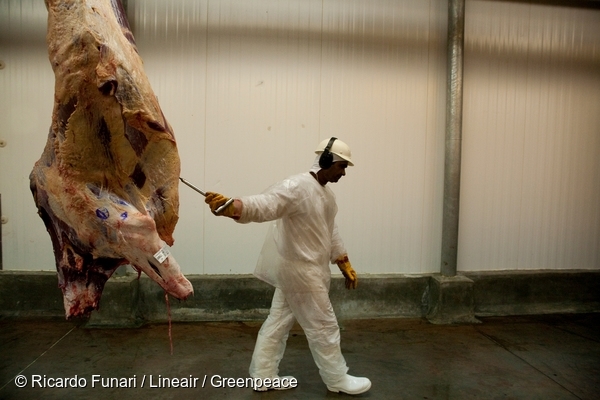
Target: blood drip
{"x":169,"y":317}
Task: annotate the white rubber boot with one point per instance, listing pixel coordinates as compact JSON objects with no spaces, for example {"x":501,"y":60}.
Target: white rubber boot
{"x":350,"y":385}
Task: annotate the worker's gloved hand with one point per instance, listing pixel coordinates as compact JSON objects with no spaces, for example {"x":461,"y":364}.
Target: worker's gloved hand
{"x":216,"y":200}
{"x":344,"y":265}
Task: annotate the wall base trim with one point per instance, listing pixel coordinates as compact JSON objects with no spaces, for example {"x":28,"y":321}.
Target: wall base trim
{"x":129,"y":301}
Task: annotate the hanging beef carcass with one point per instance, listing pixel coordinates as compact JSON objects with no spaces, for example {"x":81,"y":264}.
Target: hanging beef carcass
{"x":106,"y":185}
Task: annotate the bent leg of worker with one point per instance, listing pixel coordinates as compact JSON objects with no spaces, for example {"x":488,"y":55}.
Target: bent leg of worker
{"x":314,"y":313}
{"x":272,"y":338}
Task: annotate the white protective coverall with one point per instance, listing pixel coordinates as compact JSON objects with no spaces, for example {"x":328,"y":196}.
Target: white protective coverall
{"x":295,"y":259}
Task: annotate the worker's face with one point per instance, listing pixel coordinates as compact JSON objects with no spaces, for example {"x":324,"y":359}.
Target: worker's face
{"x":336,"y":171}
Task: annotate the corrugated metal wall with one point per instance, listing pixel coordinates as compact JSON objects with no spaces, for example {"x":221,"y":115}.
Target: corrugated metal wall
{"x":26,"y":93}
{"x":251,"y":87}
{"x":531,"y":143}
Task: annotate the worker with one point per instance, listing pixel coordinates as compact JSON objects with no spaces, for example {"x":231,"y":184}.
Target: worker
{"x":300,"y":244}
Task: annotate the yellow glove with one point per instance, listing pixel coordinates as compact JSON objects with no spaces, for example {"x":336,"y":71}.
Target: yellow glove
{"x":344,"y":265}
{"x":216,"y":200}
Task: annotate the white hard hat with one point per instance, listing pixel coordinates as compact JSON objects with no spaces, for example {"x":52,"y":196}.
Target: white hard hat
{"x":338,"y":148}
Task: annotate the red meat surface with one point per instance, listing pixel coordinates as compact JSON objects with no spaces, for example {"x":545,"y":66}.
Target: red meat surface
{"x":106,"y":185}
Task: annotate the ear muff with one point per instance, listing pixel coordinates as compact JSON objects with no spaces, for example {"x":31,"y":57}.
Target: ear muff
{"x":326,"y":159}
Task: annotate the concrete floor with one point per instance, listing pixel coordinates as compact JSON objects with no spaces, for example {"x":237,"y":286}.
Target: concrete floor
{"x":533,"y":357}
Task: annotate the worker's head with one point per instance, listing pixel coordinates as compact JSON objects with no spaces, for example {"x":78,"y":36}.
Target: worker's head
{"x":333,"y":150}
{"x":333,"y":157}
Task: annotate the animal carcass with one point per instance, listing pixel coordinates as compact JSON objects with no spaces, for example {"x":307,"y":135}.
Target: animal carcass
{"x":106,"y":185}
